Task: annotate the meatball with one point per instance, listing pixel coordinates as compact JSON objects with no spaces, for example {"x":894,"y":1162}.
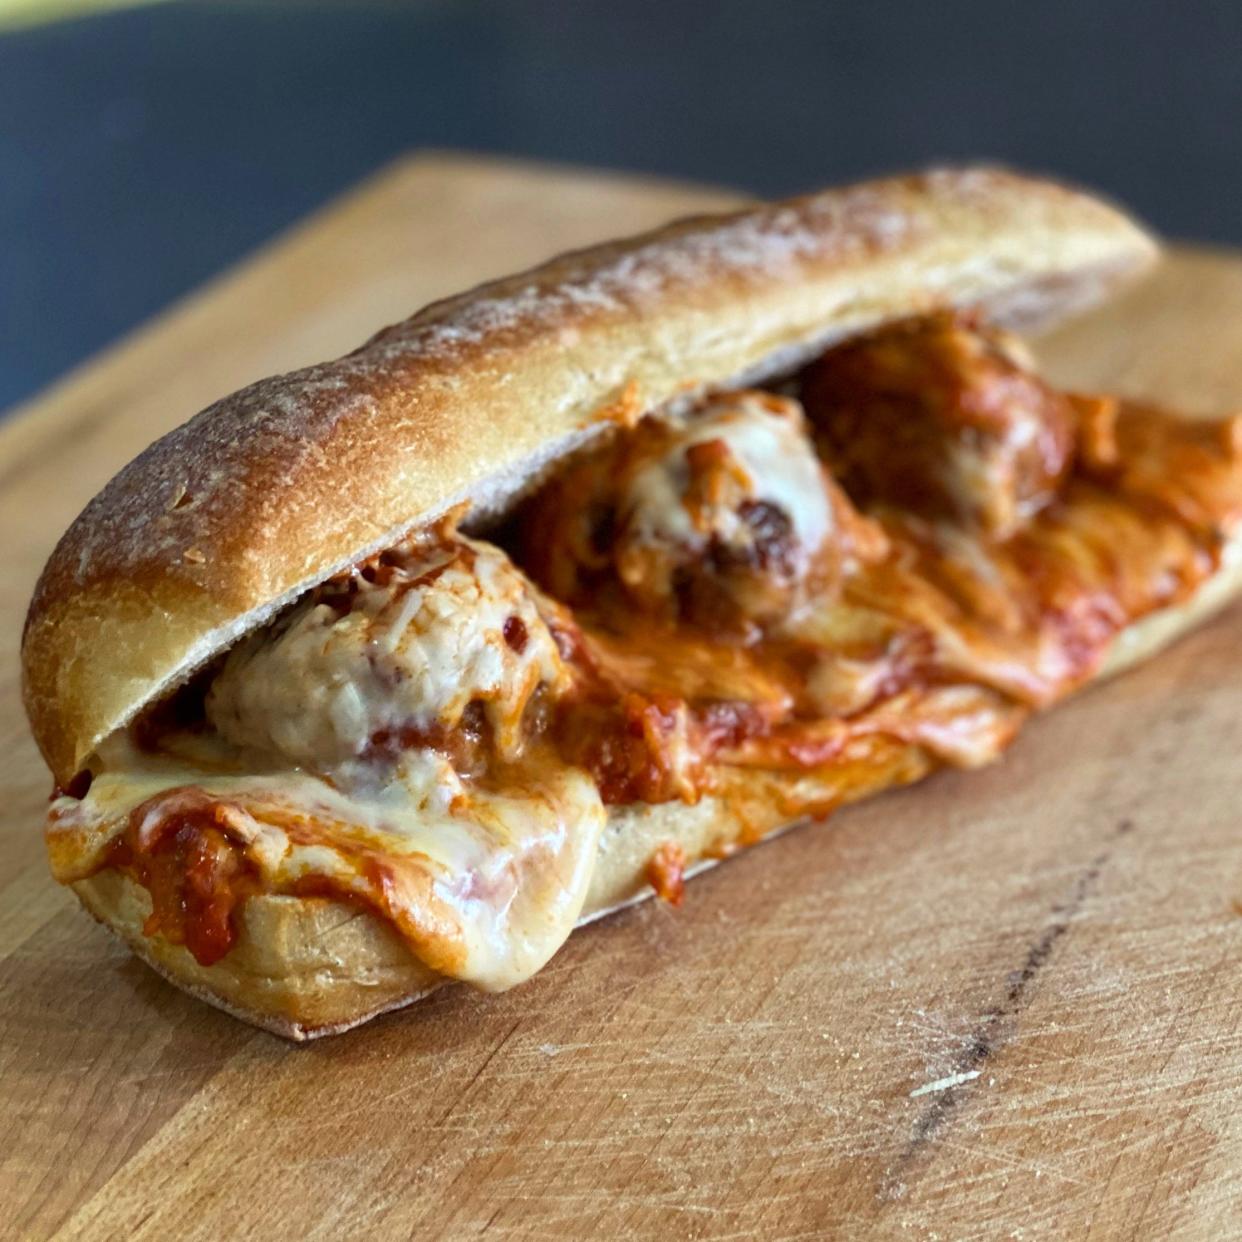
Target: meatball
{"x":441,"y":635}
{"x":725,"y":519}
{"x":943,"y":418}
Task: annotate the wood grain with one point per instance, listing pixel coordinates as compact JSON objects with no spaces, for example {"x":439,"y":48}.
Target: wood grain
{"x":1002,"y":1004}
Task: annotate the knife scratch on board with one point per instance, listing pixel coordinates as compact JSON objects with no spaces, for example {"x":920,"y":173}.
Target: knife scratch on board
{"x":995,"y":1028}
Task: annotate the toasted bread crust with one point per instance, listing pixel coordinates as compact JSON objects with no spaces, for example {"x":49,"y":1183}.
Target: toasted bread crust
{"x":222,"y":522}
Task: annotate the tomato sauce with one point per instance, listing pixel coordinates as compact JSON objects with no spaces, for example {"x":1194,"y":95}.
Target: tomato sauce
{"x":178,"y":848}
{"x":666,"y":873}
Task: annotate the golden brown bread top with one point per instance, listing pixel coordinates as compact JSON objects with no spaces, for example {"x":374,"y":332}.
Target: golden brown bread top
{"x":226,"y":519}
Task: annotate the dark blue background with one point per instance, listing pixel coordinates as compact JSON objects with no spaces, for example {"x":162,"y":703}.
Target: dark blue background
{"x":141,"y":152}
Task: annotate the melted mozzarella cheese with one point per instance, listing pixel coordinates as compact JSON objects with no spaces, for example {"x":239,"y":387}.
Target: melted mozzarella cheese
{"x":777,"y":465}
{"x":453,"y":624}
{"x":485,"y":890}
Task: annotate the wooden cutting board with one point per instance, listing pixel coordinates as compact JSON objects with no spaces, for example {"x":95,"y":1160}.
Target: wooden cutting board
{"x":1003,"y":1004}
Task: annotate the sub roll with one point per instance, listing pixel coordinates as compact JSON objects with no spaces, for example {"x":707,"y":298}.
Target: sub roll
{"x":391,"y":671}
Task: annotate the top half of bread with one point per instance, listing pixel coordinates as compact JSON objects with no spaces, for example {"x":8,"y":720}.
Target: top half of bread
{"x":220,"y":523}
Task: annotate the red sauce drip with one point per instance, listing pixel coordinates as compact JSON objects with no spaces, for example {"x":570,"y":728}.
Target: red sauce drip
{"x":196,"y":873}
{"x":666,"y":873}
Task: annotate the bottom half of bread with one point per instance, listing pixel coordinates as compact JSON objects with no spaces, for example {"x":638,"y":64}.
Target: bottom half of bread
{"x":309,"y":966}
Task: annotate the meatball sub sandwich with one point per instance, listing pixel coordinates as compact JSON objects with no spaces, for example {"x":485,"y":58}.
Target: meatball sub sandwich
{"x":391,"y":671}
